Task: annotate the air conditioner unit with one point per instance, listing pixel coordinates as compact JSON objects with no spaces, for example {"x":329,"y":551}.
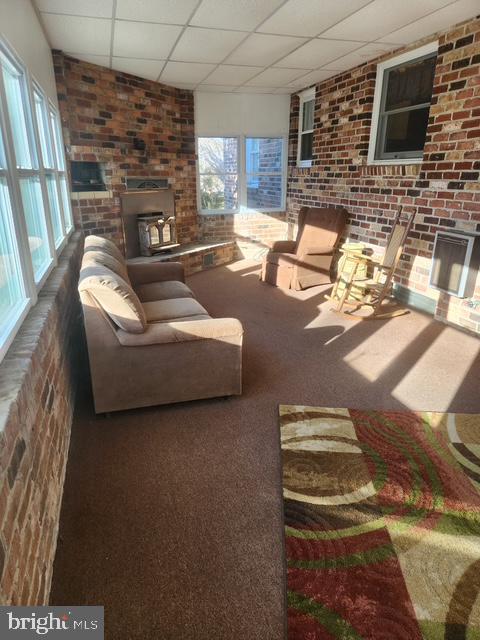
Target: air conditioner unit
{"x":451,"y":264}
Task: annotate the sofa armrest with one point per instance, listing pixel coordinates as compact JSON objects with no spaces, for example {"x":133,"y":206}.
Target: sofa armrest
{"x":147,"y":272}
{"x":283,"y":246}
{"x":183,"y":331}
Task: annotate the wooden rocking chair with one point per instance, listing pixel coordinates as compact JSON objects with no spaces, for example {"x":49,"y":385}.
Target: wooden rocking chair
{"x":373,"y":291}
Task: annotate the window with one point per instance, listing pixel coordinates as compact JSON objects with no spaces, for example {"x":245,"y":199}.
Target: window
{"x":403,"y":93}
{"x":305,"y":128}
{"x":35,"y":212}
{"x":241,"y":174}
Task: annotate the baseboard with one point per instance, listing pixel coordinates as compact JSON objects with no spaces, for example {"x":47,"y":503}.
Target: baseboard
{"x":414,"y":299}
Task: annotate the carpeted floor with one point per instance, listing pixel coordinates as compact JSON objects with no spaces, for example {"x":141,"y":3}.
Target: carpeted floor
{"x":172,"y":516}
{"x":382,"y":515}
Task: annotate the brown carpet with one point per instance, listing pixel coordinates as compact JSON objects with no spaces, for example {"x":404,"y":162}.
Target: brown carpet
{"x":172,"y":516}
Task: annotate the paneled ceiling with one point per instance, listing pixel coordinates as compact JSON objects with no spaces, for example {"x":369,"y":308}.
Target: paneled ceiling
{"x":259,"y":46}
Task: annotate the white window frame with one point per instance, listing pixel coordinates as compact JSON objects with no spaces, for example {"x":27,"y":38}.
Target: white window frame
{"x":12,"y":174}
{"x":409,"y":56}
{"x":242,"y":175}
{"x":305,"y":96}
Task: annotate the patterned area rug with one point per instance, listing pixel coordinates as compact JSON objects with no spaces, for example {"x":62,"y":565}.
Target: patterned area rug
{"x":382,"y":515}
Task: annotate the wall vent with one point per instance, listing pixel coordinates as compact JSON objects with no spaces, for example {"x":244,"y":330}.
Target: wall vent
{"x":452,"y":267}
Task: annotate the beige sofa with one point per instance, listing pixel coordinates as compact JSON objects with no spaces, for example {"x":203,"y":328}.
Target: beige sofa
{"x":149,"y":341}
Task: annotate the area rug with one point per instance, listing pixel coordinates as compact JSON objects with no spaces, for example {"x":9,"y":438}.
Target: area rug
{"x":382,"y":524}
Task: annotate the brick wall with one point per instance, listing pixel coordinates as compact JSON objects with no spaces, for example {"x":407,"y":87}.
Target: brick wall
{"x":104,"y":113}
{"x":445,"y":188}
{"x":37,"y":388}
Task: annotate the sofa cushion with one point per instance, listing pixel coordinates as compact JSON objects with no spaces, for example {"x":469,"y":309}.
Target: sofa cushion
{"x":162,"y":291}
{"x":165,"y":310}
{"x":104,"y":259}
{"x":93,"y":243}
{"x":115,"y":296}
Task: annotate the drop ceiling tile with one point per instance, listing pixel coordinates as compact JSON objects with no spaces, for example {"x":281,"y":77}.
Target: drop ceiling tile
{"x":149,"y":69}
{"x":318,"y":52}
{"x":312,"y":78}
{"x":185,"y":72}
{"x":442,"y":19}
{"x":275,"y":77}
{"x":143,"y":40}
{"x":103,"y":61}
{"x":183,"y":85}
{"x":229,"y":75}
{"x":216,"y":88}
{"x":360,"y":56}
{"x":380,"y":17}
{"x":285,"y":90}
{"x":256,"y":90}
{"x":166,"y":11}
{"x":206,"y":45}
{"x":309,"y":17}
{"x":93,"y":8}
{"x":74,"y":33}
{"x":262,"y":50}
{"x":234,"y":14}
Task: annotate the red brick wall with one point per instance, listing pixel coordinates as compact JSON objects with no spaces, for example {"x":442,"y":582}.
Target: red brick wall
{"x":102,"y":112}
{"x":445,"y":188}
{"x":37,"y":390}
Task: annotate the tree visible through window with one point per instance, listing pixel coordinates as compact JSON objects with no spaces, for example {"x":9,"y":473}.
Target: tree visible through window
{"x":218,"y":169}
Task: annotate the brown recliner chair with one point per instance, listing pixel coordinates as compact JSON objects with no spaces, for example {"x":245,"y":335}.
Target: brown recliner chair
{"x":306,"y":261}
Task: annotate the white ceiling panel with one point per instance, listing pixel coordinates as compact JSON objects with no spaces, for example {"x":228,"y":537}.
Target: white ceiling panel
{"x":246,"y":89}
{"x":244,"y":15}
{"x":360,"y":56}
{"x":103,"y":61}
{"x":166,"y":11}
{"x":149,"y":69}
{"x":309,"y":17}
{"x":186,"y":72}
{"x":216,"y":88}
{"x":144,"y":40}
{"x":93,"y":8}
{"x":380,"y":17}
{"x":275,"y":77}
{"x":73,"y":33}
{"x":262,"y":50}
{"x":318,"y":52}
{"x":441,"y":19}
{"x":229,"y":75}
{"x":312,"y":78}
{"x":206,"y":45}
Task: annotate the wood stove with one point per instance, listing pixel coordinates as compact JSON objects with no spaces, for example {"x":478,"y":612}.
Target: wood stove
{"x":148,"y":217}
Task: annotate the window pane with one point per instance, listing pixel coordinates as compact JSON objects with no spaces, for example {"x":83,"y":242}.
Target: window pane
{"x":43,"y":132}
{"x":36,"y":227}
{"x":16,"y":104}
{"x":54,"y":209}
{"x":308,"y":108}
{"x":12,"y":295}
{"x":264,"y":192}
{"x":67,"y":205}
{"x":406,"y":131}
{"x":264,"y":155}
{"x":410,"y":84}
{"x":218,"y":155}
{"x":306,"y":141}
{"x":219,"y":192}
{"x":57,"y":141}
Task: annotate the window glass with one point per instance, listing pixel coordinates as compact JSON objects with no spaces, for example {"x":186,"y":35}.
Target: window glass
{"x":57,"y":141}
{"x":308,"y":108}
{"x":218,"y":168}
{"x":12,"y":295}
{"x":54,"y":203}
{"x":67,"y":206}
{"x":404,"y":109}
{"x":264,"y":165}
{"x":37,"y":230}
{"x":43,"y":132}
{"x":17,"y":104}
{"x":305,"y":130}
